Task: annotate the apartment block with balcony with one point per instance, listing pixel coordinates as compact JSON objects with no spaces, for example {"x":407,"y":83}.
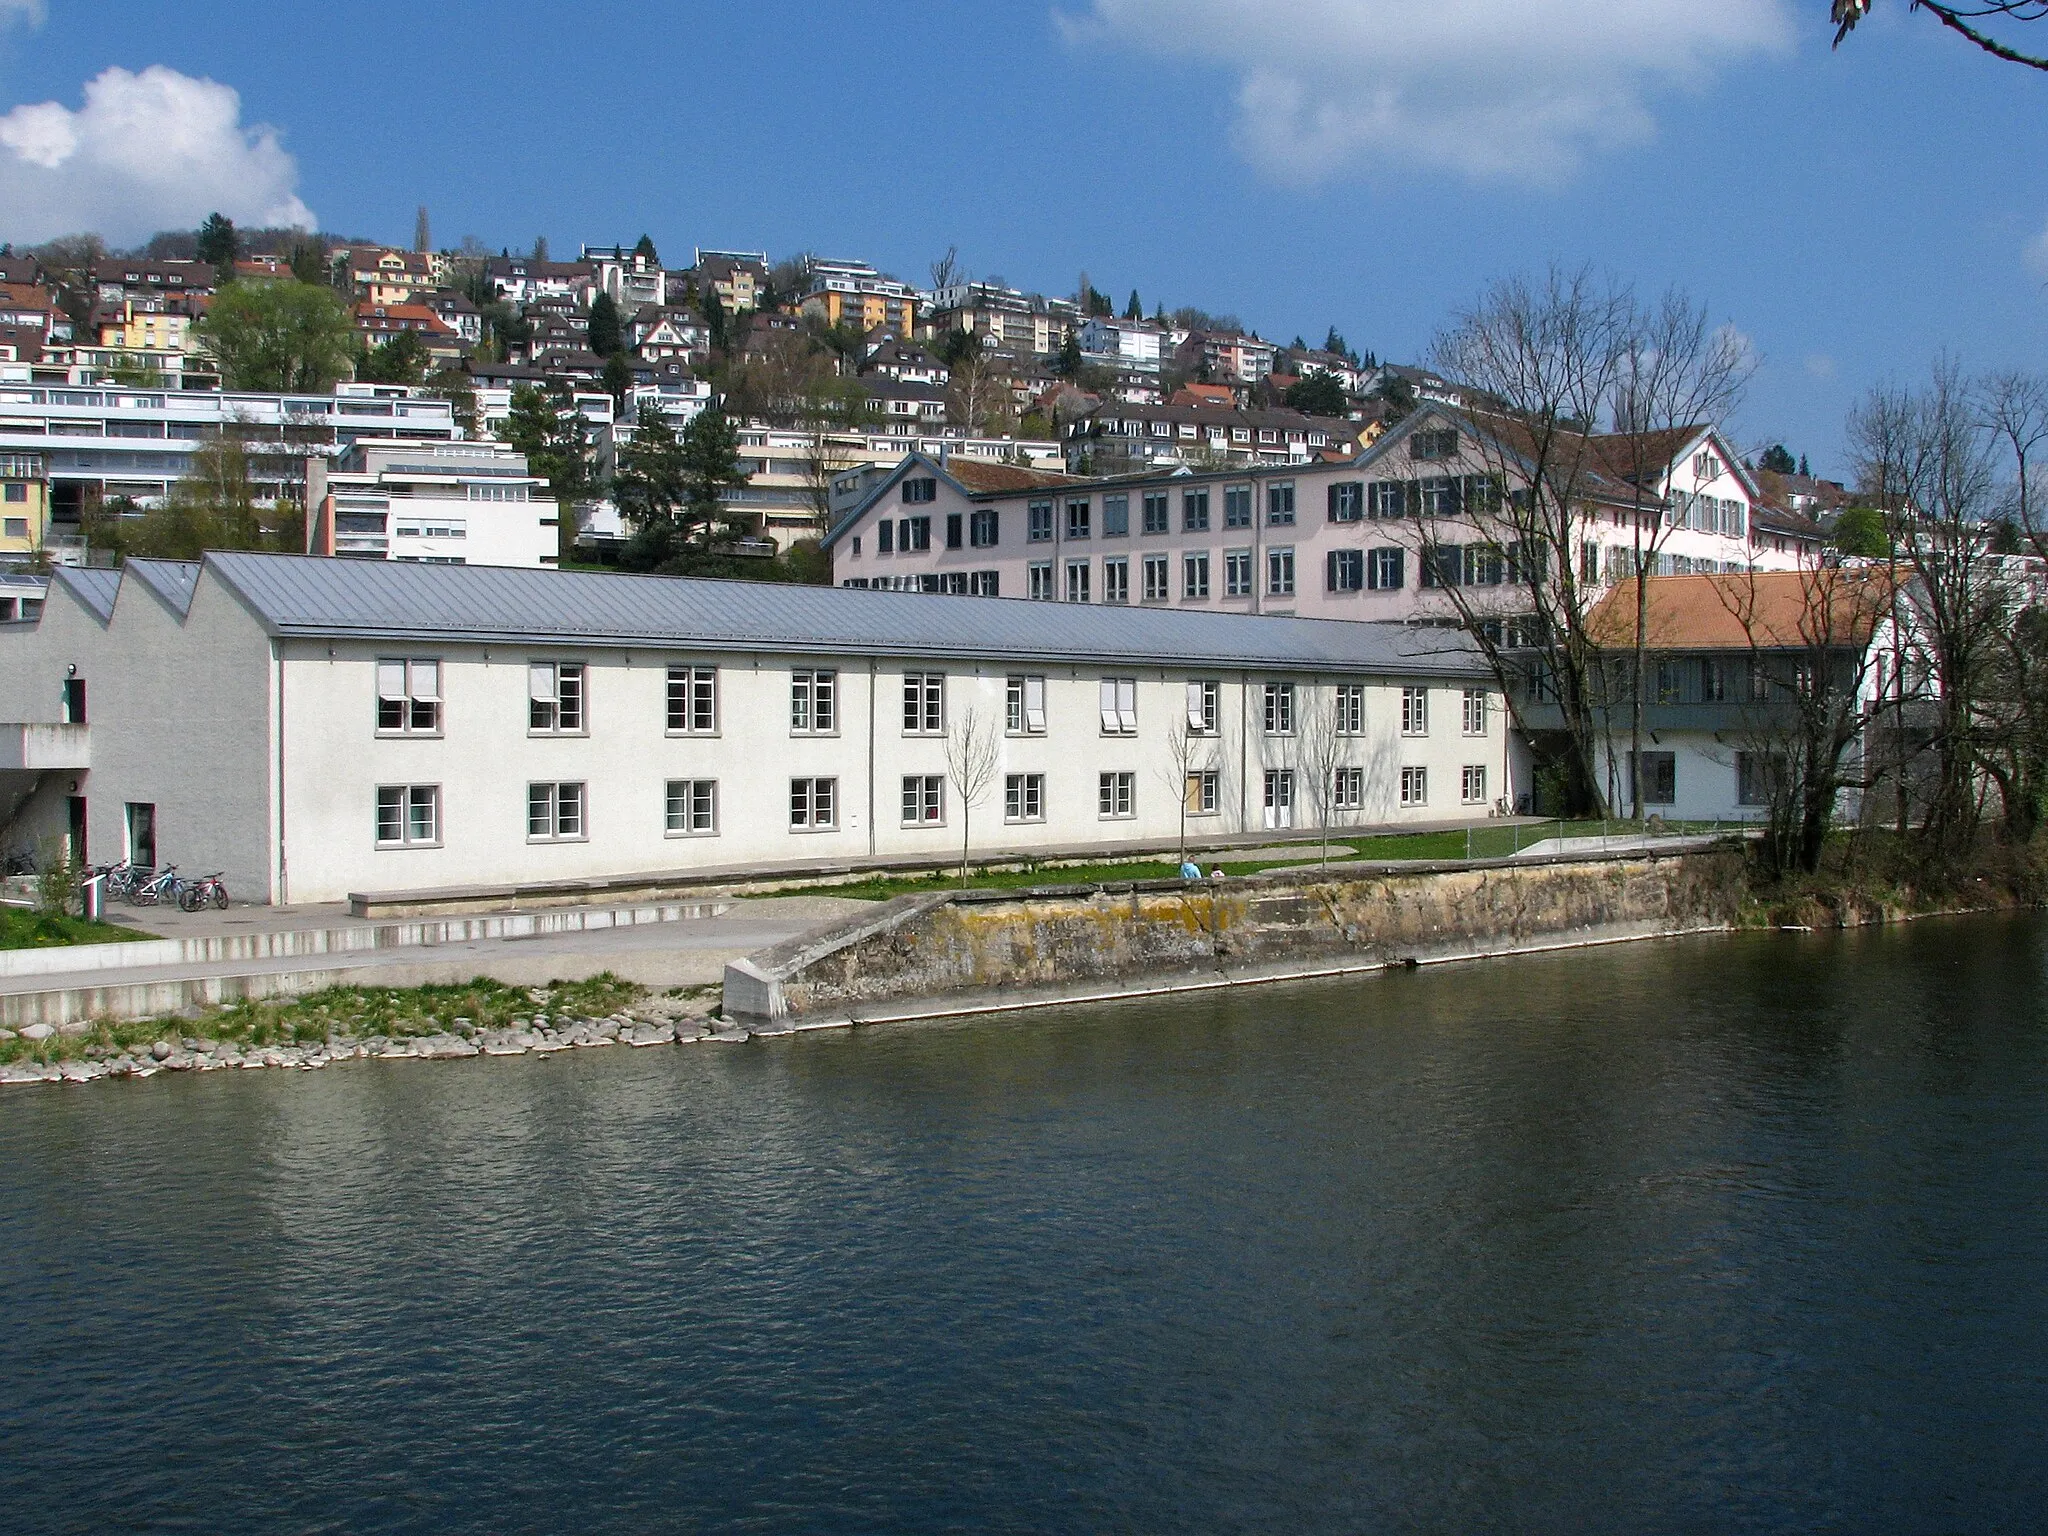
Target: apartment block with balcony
{"x":854,"y":293}
{"x":24,"y":509}
{"x":438,"y":503}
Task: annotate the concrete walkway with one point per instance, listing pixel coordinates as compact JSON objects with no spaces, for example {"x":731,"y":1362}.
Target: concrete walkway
{"x":688,"y":951}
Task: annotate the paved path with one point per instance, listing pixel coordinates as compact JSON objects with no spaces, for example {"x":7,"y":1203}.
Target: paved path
{"x":688,"y":952}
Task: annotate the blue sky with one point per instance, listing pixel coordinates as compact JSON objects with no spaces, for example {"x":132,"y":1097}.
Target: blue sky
{"x":1300,"y":163}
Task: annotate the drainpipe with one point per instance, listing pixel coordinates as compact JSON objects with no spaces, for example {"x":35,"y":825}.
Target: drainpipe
{"x":283,"y":874}
{"x":1244,"y":747}
{"x":871,"y":756}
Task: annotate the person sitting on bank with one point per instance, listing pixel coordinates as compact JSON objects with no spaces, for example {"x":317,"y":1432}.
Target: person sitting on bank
{"x":1216,"y":873}
{"x":1190,"y":870}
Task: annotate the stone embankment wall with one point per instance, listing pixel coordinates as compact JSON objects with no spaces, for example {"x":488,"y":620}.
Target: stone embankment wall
{"x":969,"y":951}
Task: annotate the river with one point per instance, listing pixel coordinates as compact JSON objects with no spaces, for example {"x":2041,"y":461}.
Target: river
{"x":1730,"y":1234}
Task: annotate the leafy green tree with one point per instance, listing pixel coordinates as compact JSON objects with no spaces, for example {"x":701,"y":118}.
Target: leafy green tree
{"x":401,"y":360}
{"x":1860,"y":531}
{"x":1319,"y":394}
{"x":279,"y":336}
{"x":606,"y":334}
{"x":309,"y":261}
{"x":215,"y":506}
{"x":1068,"y":364}
{"x":711,"y":468}
{"x":1134,"y":310}
{"x":644,"y":249}
{"x":1334,"y":343}
{"x":1802,"y":467}
{"x":453,"y":385}
{"x":1778,"y":460}
{"x":651,"y":488}
{"x":219,"y":245}
{"x":546,"y":428}
{"x":1399,"y":396}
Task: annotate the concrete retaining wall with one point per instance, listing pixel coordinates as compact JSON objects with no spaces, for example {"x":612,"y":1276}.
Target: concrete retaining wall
{"x":970,"y":951}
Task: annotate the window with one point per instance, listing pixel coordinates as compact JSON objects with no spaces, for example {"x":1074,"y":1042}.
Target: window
{"x":1438,"y":444}
{"x":1756,"y":775}
{"x":1472,"y":713}
{"x":1706,"y":466}
{"x":1387,"y":498}
{"x":17,"y":491}
{"x":1120,"y":706}
{"x":924,"y":703}
{"x":813,"y":805}
{"x":554,"y":691}
{"x":1202,"y":698}
{"x":1038,"y":522}
{"x":1414,"y":711}
{"x":1116,"y":580}
{"x":923,"y":489}
{"x":1472,"y":784}
{"x":924,"y":799}
{"x":1279,"y":798}
{"x":692,"y":807}
{"x":74,"y":701}
{"x":408,"y":815}
{"x":1038,"y":578}
{"x":1156,"y":516}
{"x":1116,"y":796}
{"x":1659,"y":777}
{"x":1279,"y":709}
{"x":1116,"y":517}
{"x":953,"y":530}
{"x":1237,"y":506}
{"x":1194,"y":511}
{"x":554,"y":813}
{"x":913,"y":534}
{"x":1280,"y":504}
{"x":985,"y":583}
{"x":1203,"y":797}
{"x":1346,"y":571}
{"x":982,"y":528}
{"x":1385,"y":569}
{"x":17,"y":527}
{"x":1484,"y":565}
{"x":1237,"y":573}
{"x":1024,"y":706}
{"x":1439,"y":497}
{"x":1024,"y":797}
{"x":1077,"y":519}
{"x":1349,"y":706}
{"x":408,"y":697}
{"x":1347,"y":501}
{"x":1347,"y":791}
{"x":813,"y":703}
{"x":1194,"y":572}
{"x":1415,"y":786}
{"x":1280,"y":573}
{"x":1077,"y":581}
{"x":1156,"y":579}
{"x":693,"y":700}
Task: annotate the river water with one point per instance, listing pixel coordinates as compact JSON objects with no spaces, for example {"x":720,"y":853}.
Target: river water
{"x":1726,"y":1234}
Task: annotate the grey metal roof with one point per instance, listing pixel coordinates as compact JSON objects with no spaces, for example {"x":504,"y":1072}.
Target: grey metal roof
{"x":329,"y":598}
{"x":93,"y":586}
{"x":172,"y":580}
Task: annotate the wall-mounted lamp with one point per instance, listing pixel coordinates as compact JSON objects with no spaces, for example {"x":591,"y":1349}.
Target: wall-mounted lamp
{"x":72,"y":670}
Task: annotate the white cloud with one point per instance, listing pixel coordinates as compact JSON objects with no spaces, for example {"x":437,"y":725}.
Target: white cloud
{"x":1516,"y":90}
{"x":29,"y":11}
{"x":2036,"y":255}
{"x":149,"y":151}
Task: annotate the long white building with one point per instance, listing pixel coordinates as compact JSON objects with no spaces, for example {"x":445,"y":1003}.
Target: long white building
{"x":316,"y":727}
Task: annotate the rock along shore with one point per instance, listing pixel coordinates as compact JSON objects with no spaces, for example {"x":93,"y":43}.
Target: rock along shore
{"x":656,"y":1022}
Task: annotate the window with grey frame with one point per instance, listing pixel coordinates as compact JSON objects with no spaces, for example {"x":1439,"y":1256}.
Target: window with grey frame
{"x":924,"y":703}
{"x":692,"y":701}
{"x":408,"y":696}
{"x":408,"y":815}
{"x":813,"y":702}
{"x":691,"y":807}
{"x":555,"y":700}
{"x":556,"y":812}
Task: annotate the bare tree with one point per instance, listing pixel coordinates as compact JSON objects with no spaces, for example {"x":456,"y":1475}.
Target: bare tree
{"x":946,"y":271}
{"x":2015,"y":410}
{"x":1963,"y":20}
{"x":1809,"y":634}
{"x":1925,"y":459}
{"x":974,"y":755}
{"x":1323,"y":750}
{"x":1189,"y":752}
{"x":1548,"y":356}
{"x":1680,"y":372}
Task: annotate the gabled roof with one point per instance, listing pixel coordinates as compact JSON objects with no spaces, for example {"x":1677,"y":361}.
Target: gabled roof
{"x":970,"y":477}
{"x":317,"y":597}
{"x":1747,"y":610}
{"x":174,"y":581}
{"x":92,"y":585}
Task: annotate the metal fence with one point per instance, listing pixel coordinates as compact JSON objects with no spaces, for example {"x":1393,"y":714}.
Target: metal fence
{"x":1494,"y":841}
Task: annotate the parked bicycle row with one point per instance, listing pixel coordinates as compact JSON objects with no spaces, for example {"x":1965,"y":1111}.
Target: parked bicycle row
{"x":142,"y":886}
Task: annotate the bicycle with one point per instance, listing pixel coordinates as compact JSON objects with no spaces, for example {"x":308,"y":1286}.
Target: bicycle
{"x":165,"y":885}
{"x":198,"y":893}
{"x":120,"y":878}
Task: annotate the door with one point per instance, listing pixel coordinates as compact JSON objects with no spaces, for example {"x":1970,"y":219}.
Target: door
{"x":75,"y":807}
{"x":1279,"y":799}
{"x":141,"y":835}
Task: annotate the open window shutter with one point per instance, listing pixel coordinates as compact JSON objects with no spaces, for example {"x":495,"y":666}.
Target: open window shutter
{"x":540,"y":682}
{"x":1333,"y":577}
{"x":1034,"y":703}
{"x":391,"y":681}
{"x":1397,"y":574}
{"x":1127,"y":704}
{"x":1333,"y":500}
{"x":1195,"y":720}
{"x":1109,"y":714}
{"x":426,"y":681}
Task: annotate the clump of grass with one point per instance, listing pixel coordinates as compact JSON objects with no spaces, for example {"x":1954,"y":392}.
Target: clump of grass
{"x":359,"y":1012}
{"x":23,"y":929}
